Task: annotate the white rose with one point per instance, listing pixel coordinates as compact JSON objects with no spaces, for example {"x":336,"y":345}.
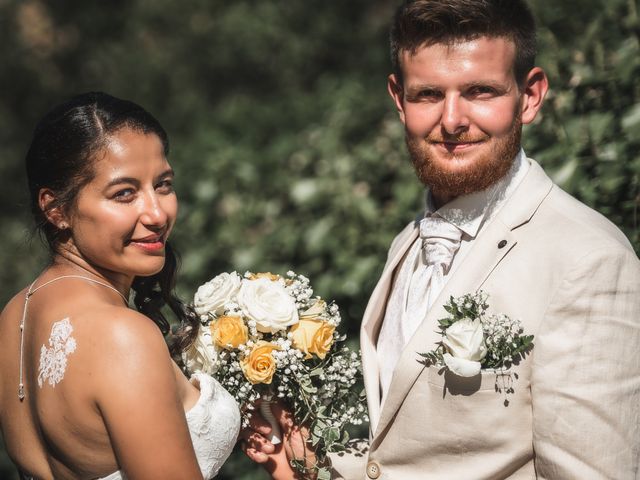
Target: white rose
{"x":202,"y":355}
{"x":212,"y":296}
{"x":464,"y":341}
{"x":460,"y":366}
{"x":268,"y":303}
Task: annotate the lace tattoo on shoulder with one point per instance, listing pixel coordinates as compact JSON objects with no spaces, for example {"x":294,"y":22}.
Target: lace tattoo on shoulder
{"x":53,"y":360}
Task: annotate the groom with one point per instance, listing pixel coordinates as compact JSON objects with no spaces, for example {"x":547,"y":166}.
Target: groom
{"x":464,"y":83}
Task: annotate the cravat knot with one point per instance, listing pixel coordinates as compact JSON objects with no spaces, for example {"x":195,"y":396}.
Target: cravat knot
{"x":440,"y":241}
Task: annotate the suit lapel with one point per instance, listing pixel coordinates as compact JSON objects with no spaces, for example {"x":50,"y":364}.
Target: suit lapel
{"x":488,"y":250}
{"x":372,"y":320}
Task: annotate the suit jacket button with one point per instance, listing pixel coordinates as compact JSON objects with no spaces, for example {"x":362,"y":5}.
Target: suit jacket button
{"x":373,"y":470}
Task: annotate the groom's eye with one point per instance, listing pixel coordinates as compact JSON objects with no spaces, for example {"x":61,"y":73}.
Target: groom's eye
{"x":426,"y":94}
{"x":482,"y":91}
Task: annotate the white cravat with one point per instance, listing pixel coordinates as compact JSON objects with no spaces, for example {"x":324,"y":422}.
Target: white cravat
{"x":440,"y":242}
{"x":419,"y":283}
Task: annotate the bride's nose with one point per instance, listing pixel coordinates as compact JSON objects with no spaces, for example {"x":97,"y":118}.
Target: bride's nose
{"x":153,"y":212}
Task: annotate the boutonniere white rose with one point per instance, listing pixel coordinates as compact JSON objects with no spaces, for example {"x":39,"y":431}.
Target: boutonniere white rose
{"x":472,"y":340}
{"x":464,"y":342}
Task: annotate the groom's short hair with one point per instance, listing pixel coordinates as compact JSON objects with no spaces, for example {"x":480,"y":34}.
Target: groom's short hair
{"x":419,"y":23}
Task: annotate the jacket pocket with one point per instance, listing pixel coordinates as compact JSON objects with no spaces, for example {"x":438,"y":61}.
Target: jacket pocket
{"x":489,"y":379}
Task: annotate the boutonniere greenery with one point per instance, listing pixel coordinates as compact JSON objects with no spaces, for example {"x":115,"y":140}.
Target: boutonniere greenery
{"x":472,"y":340}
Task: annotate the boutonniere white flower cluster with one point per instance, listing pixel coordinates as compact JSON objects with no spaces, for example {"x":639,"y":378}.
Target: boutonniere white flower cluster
{"x":472,"y":340}
{"x":264,"y":335}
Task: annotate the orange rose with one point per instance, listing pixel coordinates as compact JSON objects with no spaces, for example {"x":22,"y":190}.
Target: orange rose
{"x":312,"y":336}
{"x":259,"y":366}
{"x":229,"y":332}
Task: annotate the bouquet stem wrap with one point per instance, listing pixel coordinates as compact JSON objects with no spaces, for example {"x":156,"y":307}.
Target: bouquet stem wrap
{"x":265,"y":409}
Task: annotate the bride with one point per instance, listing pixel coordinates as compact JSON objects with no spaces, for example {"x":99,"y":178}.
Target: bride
{"x":88,"y":388}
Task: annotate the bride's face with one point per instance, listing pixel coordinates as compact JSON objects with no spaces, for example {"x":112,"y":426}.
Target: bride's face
{"x":122,"y":218}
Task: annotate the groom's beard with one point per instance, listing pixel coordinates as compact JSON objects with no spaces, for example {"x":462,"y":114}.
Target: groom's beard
{"x":479,"y":175}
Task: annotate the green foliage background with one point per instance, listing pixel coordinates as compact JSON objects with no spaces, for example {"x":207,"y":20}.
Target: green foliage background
{"x":287,"y":149}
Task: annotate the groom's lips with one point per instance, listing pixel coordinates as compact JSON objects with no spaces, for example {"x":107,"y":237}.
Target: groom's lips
{"x":457,"y":147}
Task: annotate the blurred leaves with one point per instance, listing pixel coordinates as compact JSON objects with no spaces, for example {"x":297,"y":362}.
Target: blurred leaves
{"x":588,"y":137}
{"x":288,"y":152}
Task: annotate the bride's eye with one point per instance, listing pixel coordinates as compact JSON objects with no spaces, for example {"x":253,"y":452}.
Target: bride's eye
{"x":124,"y":195}
{"x":165,"y":186}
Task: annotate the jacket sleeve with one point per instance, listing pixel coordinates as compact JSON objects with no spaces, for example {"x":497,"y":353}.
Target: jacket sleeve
{"x":585,"y":381}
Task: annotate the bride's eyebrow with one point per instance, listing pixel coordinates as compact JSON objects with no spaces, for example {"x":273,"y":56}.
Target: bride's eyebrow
{"x":167,"y":173}
{"x":121,"y":180}
{"x":134,"y":181}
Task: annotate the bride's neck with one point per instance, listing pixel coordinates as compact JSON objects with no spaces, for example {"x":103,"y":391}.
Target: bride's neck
{"x":70,"y":263}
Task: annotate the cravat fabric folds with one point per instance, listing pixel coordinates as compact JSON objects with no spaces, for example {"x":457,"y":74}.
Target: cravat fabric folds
{"x":417,"y":285}
{"x":440,"y":241}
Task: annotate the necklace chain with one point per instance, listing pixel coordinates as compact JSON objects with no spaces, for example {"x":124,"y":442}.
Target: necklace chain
{"x":30,"y":292}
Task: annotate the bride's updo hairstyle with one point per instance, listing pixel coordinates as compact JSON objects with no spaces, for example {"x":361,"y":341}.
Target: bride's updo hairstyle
{"x":62,"y":157}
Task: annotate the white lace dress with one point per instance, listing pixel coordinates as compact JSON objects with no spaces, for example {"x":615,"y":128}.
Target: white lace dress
{"x":214,"y":423}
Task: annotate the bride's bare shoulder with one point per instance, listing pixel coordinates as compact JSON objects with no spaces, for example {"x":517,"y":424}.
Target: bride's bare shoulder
{"x":121,"y":337}
{"x":128,"y":357}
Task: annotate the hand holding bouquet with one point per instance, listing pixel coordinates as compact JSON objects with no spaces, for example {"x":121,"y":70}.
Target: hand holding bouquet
{"x":267,"y":336}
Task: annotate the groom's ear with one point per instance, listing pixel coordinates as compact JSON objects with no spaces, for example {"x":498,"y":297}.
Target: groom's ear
{"x":533,"y":91}
{"x":394,"y":87}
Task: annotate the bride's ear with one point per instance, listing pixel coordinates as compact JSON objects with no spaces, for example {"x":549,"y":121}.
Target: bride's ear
{"x":54,"y":214}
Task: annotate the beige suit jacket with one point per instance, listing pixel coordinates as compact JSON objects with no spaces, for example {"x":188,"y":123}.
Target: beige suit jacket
{"x":573,"y":280}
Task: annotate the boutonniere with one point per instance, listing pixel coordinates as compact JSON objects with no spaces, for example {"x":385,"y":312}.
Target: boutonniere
{"x":472,"y":340}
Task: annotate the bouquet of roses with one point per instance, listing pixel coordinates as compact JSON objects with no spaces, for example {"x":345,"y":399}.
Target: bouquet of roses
{"x":267,"y":336}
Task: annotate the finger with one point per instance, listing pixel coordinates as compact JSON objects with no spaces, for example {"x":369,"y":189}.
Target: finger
{"x":258,"y":423}
{"x":256,"y":441}
{"x":260,"y":430}
{"x":254,"y":450}
{"x":256,"y":456}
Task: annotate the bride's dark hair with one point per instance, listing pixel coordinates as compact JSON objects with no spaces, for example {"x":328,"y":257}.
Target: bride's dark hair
{"x":61,"y":157}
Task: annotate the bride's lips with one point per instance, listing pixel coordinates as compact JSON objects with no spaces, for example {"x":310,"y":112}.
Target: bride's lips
{"x":151,"y":243}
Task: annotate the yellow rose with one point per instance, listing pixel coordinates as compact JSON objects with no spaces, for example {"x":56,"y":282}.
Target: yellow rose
{"x":268,"y":275}
{"x":314,"y":310}
{"x":259,"y":366}
{"x":312,"y":336}
{"x":229,"y":332}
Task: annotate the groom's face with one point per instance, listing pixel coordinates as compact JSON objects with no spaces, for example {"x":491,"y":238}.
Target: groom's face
{"x":462,"y":110}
